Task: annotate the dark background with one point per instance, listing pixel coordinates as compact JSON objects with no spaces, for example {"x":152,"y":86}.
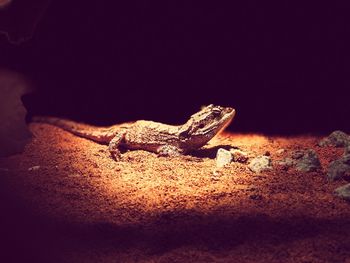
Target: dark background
{"x":284,"y":67}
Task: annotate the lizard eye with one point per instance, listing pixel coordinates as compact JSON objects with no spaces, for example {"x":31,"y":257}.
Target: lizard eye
{"x":217,"y":110}
{"x":201,"y":126}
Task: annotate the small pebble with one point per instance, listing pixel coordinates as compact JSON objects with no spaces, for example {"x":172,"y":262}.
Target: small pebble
{"x":34,"y":168}
{"x":338,"y":169}
{"x":343,"y":192}
{"x":287,"y":163}
{"x":337,"y":139}
{"x":216,"y":174}
{"x":223,"y":157}
{"x":297,"y":154}
{"x":239,"y":156}
{"x":309,"y":162}
{"x":260,"y":164}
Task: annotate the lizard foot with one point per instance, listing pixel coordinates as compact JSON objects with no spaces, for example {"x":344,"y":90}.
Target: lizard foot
{"x":114,"y":144}
{"x":116,"y":155}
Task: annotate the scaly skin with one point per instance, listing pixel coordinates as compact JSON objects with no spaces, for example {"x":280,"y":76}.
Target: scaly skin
{"x":164,"y":139}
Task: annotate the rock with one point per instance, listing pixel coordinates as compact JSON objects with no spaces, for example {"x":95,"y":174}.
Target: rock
{"x":343,"y":192}
{"x":339,"y":168}
{"x":280,"y":151}
{"x":34,"y":168}
{"x":287,"y":163}
{"x":239,"y":156}
{"x":337,"y":139}
{"x":217,"y":172}
{"x":309,"y":162}
{"x":305,"y":161}
{"x":223,"y":157}
{"x":260,"y":164}
{"x":297,"y":155}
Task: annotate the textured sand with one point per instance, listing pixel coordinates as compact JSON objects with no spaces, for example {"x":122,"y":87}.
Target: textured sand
{"x":81,"y":206}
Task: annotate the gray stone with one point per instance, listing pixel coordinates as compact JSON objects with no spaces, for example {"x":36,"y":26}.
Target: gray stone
{"x":34,"y":168}
{"x":343,"y":192}
{"x":337,"y":139}
{"x":309,"y":162}
{"x":297,"y":154}
{"x":260,"y":164}
{"x":287,"y":163}
{"x":339,"y":168}
{"x":223,"y":157}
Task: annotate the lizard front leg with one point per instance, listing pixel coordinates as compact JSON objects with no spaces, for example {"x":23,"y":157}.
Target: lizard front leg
{"x":169,"y":150}
{"x":115,"y":143}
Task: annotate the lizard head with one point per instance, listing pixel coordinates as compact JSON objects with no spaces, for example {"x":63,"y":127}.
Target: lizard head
{"x":205,"y":124}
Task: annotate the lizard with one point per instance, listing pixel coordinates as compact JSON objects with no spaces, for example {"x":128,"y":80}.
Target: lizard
{"x":163,"y":139}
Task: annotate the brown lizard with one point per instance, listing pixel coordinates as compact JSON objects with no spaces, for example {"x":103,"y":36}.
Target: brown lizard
{"x":164,"y":139}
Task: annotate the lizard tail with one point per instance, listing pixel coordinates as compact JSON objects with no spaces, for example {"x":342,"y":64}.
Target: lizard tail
{"x":97,"y":134}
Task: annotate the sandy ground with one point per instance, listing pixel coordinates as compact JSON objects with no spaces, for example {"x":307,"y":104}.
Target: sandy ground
{"x":81,"y":206}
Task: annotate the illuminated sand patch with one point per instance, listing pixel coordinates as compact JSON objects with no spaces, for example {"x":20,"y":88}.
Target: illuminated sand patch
{"x":149,"y":208}
{"x":72,"y":166}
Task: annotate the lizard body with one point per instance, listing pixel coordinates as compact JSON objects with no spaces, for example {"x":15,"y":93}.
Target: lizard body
{"x":164,"y":139}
